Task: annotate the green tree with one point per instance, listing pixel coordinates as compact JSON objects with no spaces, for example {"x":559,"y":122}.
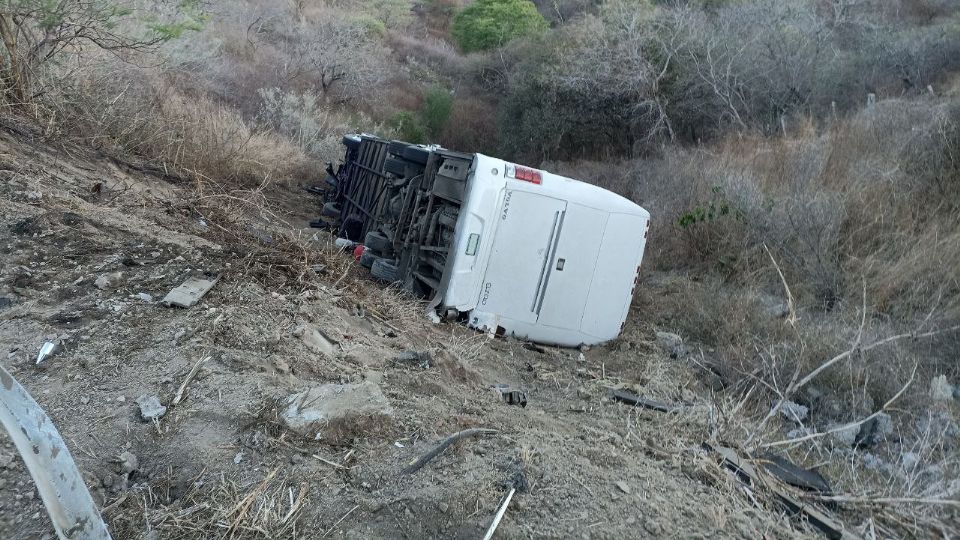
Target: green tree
{"x":492,"y":23}
{"x":437,"y":106}
{"x":34,"y":32}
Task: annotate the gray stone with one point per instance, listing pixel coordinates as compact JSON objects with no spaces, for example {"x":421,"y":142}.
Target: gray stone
{"x":145,"y":297}
{"x":872,"y":462}
{"x":150,"y":408}
{"x":875,"y":430}
{"x":845,"y":437}
{"x":107,"y":281}
{"x":325,"y":409}
{"x":941,"y":389}
{"x":672,"y":344}
{"x":188,"y":293}
{"x":794,"y":412}
{"x":623,"y":486}
{"x":316,"y":340}
{"x":413,"y":358}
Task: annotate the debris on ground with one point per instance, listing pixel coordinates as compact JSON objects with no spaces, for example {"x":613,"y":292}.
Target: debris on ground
{"x":108,"y":281}
{"x":671,"y":344}
{"x":511,"y":395}
{"x":328,"y":411}
{"x":424,"y":459}
{"x":145,"y":297}
{"x":628,"y":397}
{"x":732,"y":460}
{"x":188,"y":293}
{"x":47,"y":457}
{"x":874,"y":430}
{"x":150,"y":408}
{"x":422,"y":360}
{"x":48,"y":349}
{"x":784,"y":469}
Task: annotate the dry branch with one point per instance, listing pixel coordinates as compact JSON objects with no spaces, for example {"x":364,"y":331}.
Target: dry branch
{"x":418,"y":464}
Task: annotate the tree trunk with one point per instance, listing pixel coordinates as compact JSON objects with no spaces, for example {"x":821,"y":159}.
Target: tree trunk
{"x":16,"y":79}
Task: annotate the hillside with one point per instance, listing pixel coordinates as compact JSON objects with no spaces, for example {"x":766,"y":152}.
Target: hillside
{"x":800,"y":293}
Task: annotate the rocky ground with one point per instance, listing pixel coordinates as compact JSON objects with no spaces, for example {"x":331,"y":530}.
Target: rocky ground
{"x":90,"y":247}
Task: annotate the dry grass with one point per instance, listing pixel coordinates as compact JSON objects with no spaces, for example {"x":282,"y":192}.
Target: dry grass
{"x":212,"y":507}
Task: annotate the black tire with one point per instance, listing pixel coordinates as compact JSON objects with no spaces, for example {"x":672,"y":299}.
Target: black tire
{"x":396,"y":167}
{"x":378,"y":242}
{"x":416,"y":154}
{"x":352,"y":229}
{"x":330,"y":210}
{"x":368,"y":258}
{"x":351,"y":143}
{"x":385,"y":270}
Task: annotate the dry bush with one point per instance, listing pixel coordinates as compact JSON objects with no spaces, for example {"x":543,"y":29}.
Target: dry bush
{"x":472,"y":126}
{"x":139,"y":114}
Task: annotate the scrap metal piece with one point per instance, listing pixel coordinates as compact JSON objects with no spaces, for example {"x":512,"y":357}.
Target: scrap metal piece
{"x":511,"y":396}
{"x":62,"y":489}
{"x":49,"y":349}
{"x":189,"y":292}
{"x":630,"y":398}
{"x":830,"y":527}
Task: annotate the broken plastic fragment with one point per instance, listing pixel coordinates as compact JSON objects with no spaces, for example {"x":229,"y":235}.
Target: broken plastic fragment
{"x":49,"y":349}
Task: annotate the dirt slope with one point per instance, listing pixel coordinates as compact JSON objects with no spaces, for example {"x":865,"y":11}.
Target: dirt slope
{"x":221,"y":464}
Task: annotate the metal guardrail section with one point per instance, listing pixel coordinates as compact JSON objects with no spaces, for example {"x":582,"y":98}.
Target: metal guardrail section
{"x":62,"y":489}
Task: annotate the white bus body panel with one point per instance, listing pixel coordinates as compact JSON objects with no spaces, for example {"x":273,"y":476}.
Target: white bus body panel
{"x":554,"y":262}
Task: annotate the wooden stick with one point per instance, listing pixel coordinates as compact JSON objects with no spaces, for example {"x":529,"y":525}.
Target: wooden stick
{"x":499,"y":516}
{"x":418,"y":464}
{"x":339,"y":521}
{"x":331,"y":463}
{"x":190,"y":376}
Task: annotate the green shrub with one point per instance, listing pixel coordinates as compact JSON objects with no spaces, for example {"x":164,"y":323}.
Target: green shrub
{"x":407,"y":127}
{"x":436,"y":111}
{"x":492,"y":23}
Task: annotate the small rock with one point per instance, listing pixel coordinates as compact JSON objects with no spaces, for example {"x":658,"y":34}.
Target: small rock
{"x":652,"y":527}
{"x":84,"y":400}
{"x":872,"y":462}
{"x":444,"y":507}
{"x":845,"y":437}
{"x":315,"y":339}
{"x":121,"y":399}
{"x":128,"y":462}
{"x":671,"y":344}
{"x":794,"y":412}
{"x":412,"y":358}
{"x":940,"y":389}
{"x":145,"y":297}
{"x":623,"y":486}
{"x":150,"y":408}
{"x":281,"y":365}
{"x":875,"y":430}
{"x":107,"y":281}
{"x":238,"y":458}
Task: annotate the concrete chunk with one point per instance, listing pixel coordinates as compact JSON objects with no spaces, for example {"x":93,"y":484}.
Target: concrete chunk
{"x":189,"y":292}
